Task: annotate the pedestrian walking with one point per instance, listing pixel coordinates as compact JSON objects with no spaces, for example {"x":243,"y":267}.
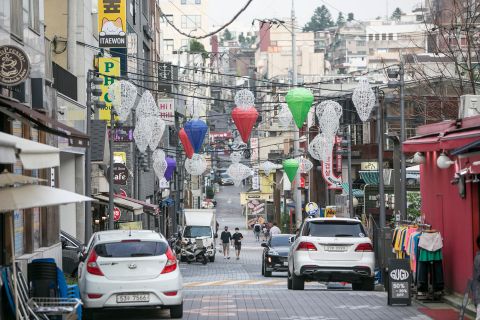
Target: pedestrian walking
{"x":226,"y":237}
{"x":265,"y":232}
{"x":237,"y":242}
{"x":476,"y":280}
{"x":275,"y":229}
{"x":257,"y":228}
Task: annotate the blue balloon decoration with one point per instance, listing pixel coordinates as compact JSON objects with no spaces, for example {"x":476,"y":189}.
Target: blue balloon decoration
{"x":196,"y":130}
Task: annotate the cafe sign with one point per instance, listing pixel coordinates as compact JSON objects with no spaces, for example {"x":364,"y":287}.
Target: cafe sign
{"x":14,"y":65}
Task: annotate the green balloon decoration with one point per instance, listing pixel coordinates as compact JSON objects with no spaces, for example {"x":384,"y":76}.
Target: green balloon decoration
{"x":291,"y":167}
{"x":299,"y":102}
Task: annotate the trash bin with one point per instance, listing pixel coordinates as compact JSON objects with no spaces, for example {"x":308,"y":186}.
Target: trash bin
{"x":42,"y":277}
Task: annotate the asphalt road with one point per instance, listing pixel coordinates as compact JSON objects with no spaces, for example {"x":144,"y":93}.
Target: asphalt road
{"x":236,"y":290}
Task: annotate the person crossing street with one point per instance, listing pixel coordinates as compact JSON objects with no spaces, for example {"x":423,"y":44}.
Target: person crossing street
{"x":226,"y":237}
{"x":237,"y":241}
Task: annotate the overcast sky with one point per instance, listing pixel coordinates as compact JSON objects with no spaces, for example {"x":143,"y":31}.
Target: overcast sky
{"x":220,"y":11}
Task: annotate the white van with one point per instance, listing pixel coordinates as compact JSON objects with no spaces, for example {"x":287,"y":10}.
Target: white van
{"x":201,"y":223}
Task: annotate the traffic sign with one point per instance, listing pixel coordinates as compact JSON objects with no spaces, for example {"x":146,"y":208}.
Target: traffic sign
{"x":116,"y":214}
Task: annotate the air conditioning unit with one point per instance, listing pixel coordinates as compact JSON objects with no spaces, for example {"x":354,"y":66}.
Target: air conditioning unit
{"x":469,"y":106}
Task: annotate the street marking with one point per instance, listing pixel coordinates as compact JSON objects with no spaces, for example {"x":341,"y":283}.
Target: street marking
{"x":236,"y":283}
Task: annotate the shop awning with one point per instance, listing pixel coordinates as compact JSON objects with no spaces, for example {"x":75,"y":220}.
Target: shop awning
{"x":467,"y":148}
{"x":357,"y":193}
{"x":460,"y":138}
{"x":33,"y":155}
{"x":42,"y":122}
{"x":122,"y":203}
{"x":422,"y":144}
{"x":441,"y":141}
{"x":147,"y":207}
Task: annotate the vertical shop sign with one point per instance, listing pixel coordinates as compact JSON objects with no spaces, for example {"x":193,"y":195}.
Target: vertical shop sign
{"x":112,"y":23}
{"x":109,"y":68}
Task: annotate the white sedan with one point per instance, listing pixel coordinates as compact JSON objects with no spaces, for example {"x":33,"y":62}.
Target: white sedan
{"x":130,"y":269}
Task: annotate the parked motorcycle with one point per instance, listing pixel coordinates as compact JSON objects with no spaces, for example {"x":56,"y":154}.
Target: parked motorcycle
{"x":175,"y":242}
{"x":194,"y":251}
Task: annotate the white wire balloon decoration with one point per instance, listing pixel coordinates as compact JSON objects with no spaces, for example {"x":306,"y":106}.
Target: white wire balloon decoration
{"x":157,"y":128}
{"x":238,"y":172}
{"x":305,"y":165}
{"x":159,"y":163}
{"x":285,"y":117}
{"x":328,"y":104}
{"x":268,"y":167}
{"x":236,"y":157}
{"x":329,"y":122}
{"x":321,"y":146}
{"x":142,"y":134}
{"x":123,"y":95}
{"x":147,"y":107}
{"x":197,"y":165}
{"x":244,"y":99}
{"x":364,"y":99}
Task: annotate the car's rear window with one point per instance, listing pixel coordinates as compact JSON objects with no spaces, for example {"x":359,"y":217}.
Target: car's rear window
{"x":130,"y":249}
{"x":335,"y":228}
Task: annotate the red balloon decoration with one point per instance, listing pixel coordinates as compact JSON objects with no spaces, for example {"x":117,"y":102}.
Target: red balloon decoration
{"x":187,"y":146}
{"x":244,"y":119}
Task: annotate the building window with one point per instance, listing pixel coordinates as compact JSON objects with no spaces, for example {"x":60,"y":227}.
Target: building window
{"x":390,"y":36}
{"x":16,"y":19}
{"x":377,"y":36}
{"x":384,"y":36}
{"x":370,"y":37}
{"x":33,"y":15}
{"x":168,"y":45}
{"x":184,"y":43}
{"x":191,"y":22}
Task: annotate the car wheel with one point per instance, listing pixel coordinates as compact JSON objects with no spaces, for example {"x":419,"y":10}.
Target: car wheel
{"x":87,"y":314}
{"x":356,"y":286}
{"x":265,"y":272}
{"x":205,"y":260}
{"x":368,"y":284}
{"x":183,"y":259}
{"x":176,"y":312}
{"x":298,"y":282}
{"x":212,"y":259}
{"x":289,"y":281}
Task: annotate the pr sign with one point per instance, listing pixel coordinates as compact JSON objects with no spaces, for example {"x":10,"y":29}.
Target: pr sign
{"x":14,"y":65}
{"x":399,"y":282}
{"x":167,"y":110}
{"x":109,"y":68}
{"x":112,"y":23}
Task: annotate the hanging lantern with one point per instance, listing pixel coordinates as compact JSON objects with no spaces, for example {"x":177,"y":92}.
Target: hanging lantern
{"x":197,"y":165}
{"x":142,"y":134}
{"x":328,"y":104}
{"x":159,"y":163}
{"x":285,"y":117}
{"x":267,"y":167}
{"x":321,"y":146}
{"x":244,"y":99}
{"x":329,"y":122}
{"x":187,"y":146}
{"x":305,"y":165}
{"x":147,"y":107}
{"x":238,"y":172}
{"x":171,"y":166}
{"x":244,"y":120}
{"x":364,"y":99}
{"x":299,"y":101}
{"x":291,"y":167}
{"x":157,"y":127}
{"x":123,"y":95}
{"x":196,"y":130}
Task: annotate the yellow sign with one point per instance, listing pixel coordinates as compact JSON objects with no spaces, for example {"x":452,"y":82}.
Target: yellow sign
{"x":330,"y":211}
{"x":120,"y":157}
{"x":112,"y":23}
{"x":135,"y":225}
{"x":107,"y":67}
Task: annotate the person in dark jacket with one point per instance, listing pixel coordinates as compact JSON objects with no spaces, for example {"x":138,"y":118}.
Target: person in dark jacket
{"x":226,"y":237}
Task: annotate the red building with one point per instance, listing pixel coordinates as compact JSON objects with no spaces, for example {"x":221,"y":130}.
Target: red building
{"x":450,"y":195}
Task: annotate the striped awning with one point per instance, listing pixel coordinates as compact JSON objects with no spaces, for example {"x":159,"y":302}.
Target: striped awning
{"x":370,"y":177}
{"x":357,"y":193}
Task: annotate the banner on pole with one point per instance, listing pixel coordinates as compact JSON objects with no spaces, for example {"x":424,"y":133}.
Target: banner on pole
{"x":109,"y":68}
{"x":112,"y":23}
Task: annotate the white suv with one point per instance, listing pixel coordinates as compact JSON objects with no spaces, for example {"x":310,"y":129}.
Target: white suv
{"x":130,"y":269}
{"x":331,"y":249}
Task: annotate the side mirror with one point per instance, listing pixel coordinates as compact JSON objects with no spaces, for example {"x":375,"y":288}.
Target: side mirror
{"x":292,"y":239}
{"x":264,"y":244}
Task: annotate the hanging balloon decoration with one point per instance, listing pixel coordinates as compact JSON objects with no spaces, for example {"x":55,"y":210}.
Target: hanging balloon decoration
{"x":285,"y":117}
{"x":171,"y":166}
{"x":236,"y":170}
{"x":305,"y":165}
{"x":290,"y":166}
{"x":197,"y":165}
{"x":326,"y":105}
{"x":159,"y":163}
{"x":236,"y":157}
{"x":142,"y":134}
{"x":364,"y":99}
{"x":244,"y":120}
{"x":187,"y":146}
{"x":157,"y":129}
{"x":268,"y":167}
{"x":329,"y":122}
{"x":196,"y":130}
{"x":244,"y":99}
{"x":147,"y":107}
{"x":321,"y":146}
{"x":123,"y":95}
{"x":299,"y":102}
{"x":149,"y":126}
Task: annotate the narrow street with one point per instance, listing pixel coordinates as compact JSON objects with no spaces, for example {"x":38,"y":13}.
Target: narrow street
{"x":237,"y":290}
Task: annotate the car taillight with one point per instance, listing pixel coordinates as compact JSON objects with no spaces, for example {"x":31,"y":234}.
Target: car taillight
{"x":170,"y":293}
{"x":171,"y":264}
{"x":94,"y":295}
{"x":306,"y":246}
{"x":364,"y":247}
{"x":92,"y":265}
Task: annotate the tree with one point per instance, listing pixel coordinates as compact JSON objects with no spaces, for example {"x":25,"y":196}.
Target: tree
{"x":198,"y":47}
{"x":227,"y":35}
{"x":241,"y":39}
{"x":321,"y":20}
{"x":340,"y":20}
{"x":350,"y":17}
{"x":397,"y":14}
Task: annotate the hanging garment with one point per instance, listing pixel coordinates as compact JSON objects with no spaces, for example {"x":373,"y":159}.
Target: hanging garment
{"x":431,"y":241}
{"x":430,"y":271}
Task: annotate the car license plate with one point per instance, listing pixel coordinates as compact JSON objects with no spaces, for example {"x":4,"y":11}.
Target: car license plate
{"x":133,"y":297}
{"x":336,"y":248}
{"x":285,"y":263}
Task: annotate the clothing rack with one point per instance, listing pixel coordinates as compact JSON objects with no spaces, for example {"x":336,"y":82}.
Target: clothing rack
{"x":423,"y":225}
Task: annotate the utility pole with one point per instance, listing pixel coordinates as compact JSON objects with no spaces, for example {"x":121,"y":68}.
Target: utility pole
{"x":111,"y":221}
{"x":297,"y":193}
{"x":403,"y":204}
{"x":350,"y":180}
{"x":381,"y":186}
